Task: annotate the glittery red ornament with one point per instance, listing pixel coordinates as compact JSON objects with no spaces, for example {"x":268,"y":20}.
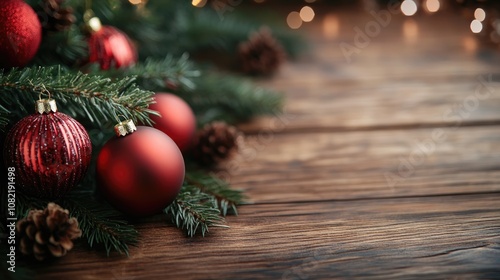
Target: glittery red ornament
{"x":20,"y":33}
{"x":140,"y":173}
{"x":177,"y":119}
{"x":49,"y":150}
{"x":111,"y":48}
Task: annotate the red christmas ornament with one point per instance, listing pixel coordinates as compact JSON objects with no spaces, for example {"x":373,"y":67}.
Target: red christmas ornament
{"x":20,"y":33}
{"x":177,"y":119}
{"x":140,"y":171}
{"x":50,"y":152}
{"x":110,"y":47}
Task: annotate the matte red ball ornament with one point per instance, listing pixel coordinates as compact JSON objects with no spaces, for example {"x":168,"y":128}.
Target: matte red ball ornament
{"x":110,"y":47}
{"x":177,"y":119}
{"x":20,"y":33}
{"x":140,"y":171}
{"x":49,"y":150}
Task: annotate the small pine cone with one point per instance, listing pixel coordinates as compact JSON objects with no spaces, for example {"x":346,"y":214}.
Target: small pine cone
{"x":55,"y":17}
{"x":262,"y":54}
{"x":215,"y":143}
{"x":46,"y":233}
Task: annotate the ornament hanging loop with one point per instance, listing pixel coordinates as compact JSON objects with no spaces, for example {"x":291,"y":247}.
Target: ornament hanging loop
{"x":45,"y":106}
{"x":44,"y":90}
{"x":92,"y":23}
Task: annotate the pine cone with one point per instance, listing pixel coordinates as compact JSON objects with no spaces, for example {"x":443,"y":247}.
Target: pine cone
{"x":261,"y":54}
{"x":215,"y":143}
{"x":48,"y":232}
{"x":55,"y":17}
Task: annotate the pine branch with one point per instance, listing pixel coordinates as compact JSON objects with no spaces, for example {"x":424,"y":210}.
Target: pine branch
{"x":213,"y":96}
{"x":194,"y":211}
{"x":164,"y":74}
{"x":229,"y":98}
{"x":100,"y":226}
{"x":198,"y":30}
{"x":98,"y":221}
{"x":65,"y":48}
{"x":227,"y":198}
{"x":98,"y":99}
{"x":208,"y":29}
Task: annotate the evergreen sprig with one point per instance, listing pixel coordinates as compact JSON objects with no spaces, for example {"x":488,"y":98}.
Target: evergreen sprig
{"x":65,"y":48}
{"x":99,"y":222}
{"x":100,"y":225}
{"x":202,"y":203}
{"x":194,"y":211}
{"x":215,"y":27}
{"x":96,"y":98}
{"x":229,"y":98}
{"x":227,"y":199}
{"x":168,"y":73}
{"x":202,"y":29}
{"x":213,"y":96}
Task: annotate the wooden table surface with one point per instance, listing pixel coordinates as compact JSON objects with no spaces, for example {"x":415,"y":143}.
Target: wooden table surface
{"x":387,"y":166}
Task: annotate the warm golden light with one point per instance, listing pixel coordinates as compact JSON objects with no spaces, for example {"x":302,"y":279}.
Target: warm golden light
{"x":135,"y":2}
{"x":410,"y":31}
{"x":470,"y":44}
{"x":432,"y":6}
{"x":307,"y":14}
{"x":408,"y":7}
{"x":331,"y":26}
{"x":480,"y":14}
{"x":293,"y":20}
{"x":476,"y":26}
{"x":199,"y":3}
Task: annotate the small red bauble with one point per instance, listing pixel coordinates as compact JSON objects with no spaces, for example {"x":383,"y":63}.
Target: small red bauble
{"x":141,"y":173}
{"x":111,"y":48}
{"x":177,"y":119}
{"x":50,"y":152}
{"x":20,"y":33}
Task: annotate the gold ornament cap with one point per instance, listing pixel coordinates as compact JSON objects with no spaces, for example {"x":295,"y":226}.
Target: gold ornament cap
{"x":45,"y":106}
{"x":92,"y":23}
{"x":125,"y":128}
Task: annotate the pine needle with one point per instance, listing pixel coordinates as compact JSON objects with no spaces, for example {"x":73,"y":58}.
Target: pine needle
{"x":227,"y":198}
{"x":194,"y":211}
{"x":100,"y":224}
{"x":95,"y":98}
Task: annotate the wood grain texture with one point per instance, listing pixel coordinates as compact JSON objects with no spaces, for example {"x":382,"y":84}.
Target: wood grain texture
{"x":444,"y":76}
{"x":456,"y":236}
{"x":323,"y":207}
{"x":350,"y":165}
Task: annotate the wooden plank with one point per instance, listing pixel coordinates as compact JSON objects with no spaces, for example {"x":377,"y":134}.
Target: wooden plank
{"x":351,"y":165}
{"x":319,"y":102}
{"x":389,"y":83}
{"x":456,"y":236}
{"x":407,"y":103}
{"x":323,"y":206}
